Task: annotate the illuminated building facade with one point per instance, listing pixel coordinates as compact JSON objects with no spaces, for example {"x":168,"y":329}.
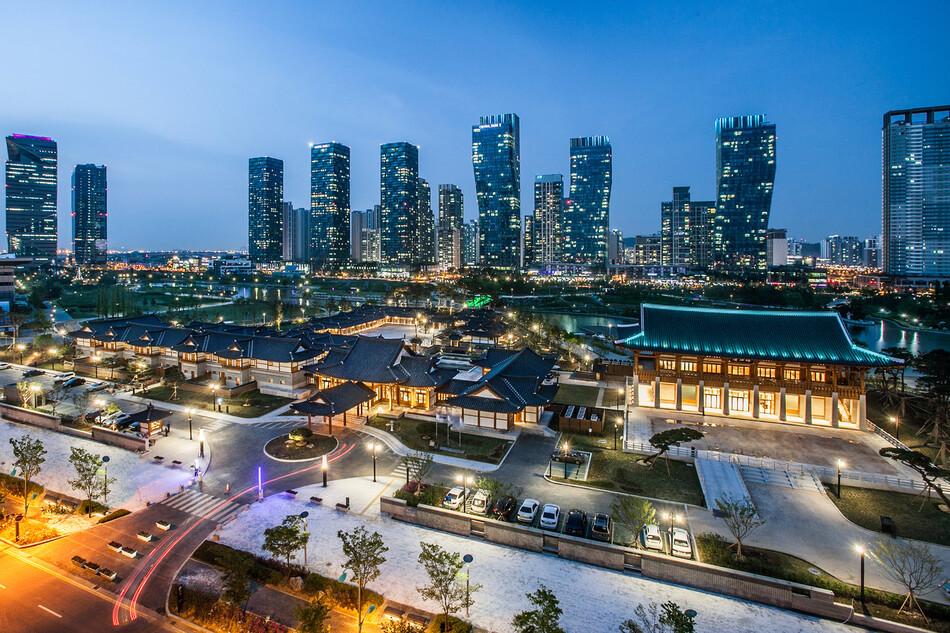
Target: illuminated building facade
{"x":399,"y":203}
{"x":265,"y":210}
{"x":90,"y":215}
{"x":31,"y":196}
{"x":686,"y":230}
{"x":586,"y":223}
{"x":496,"y":161}
{"x":329,"y":205}
{"x":548,"y":208}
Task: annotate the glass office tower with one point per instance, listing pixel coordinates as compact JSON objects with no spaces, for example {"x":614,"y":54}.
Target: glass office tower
{"x":548,"y":207}
{"x":31,"y":196}
{"x":451,"y":223}
{"x":90,"y":211}
{"x":496,"y":161}
{"x":916,"y":201}
{"x":265,"y":210}
{"x":425,"y":226}
{"x":399,"y":203}
{"x":745,"y":176}
{"x":329,"y":205}
{"x":586,"y":223}
{"x":686,"y":230}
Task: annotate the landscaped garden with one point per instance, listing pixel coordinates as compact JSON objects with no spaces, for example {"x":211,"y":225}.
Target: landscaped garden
{"x":625,"y":472}
{"x":428,"y":437}
{"x":251,"y":404}
{"x":915,"y":516}
{"x":300,"y":445}
{"x":580,"y":395}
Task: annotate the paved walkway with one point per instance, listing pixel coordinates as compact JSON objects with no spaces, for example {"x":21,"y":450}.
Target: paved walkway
{"x":720,"y":479}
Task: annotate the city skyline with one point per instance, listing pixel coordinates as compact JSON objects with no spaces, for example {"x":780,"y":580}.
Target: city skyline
{"x":809,"y":74}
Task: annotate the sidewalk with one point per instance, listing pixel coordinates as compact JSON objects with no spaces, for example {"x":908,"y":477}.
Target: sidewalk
{"x":401,"y":449}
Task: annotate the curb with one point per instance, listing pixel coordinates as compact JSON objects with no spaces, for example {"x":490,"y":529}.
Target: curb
{"x":295,"y":461}
{"x":401,"y":449}
{"x":624,"y":494}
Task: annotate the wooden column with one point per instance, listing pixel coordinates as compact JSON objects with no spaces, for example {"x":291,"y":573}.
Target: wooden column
{"x":755,"y":401}
{"x":725,"y":398}
{"x":701,"y":397}
{"x":808,"y":406}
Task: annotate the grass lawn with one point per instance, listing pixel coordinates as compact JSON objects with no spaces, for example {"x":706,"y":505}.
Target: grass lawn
{"x":714,"y":550}
{"x":234,"y":406}
{"x":577,"y":394}
{"x":866,"y":507}
{"x":314,"y":447}
{"x":478,"y":447}
{"x":619,"y":471}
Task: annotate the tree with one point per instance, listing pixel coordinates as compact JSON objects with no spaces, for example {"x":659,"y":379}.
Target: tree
{"x":29,"y":457}
{"x":55,"y":395}
{"x":400,"y":626}
{"x":910,"y":564}
{"x":418,"y":465}
{"x":87,"y":479}
{"x":495,"y":488}
{"x":922,"y":465}
{"x":665,"y":618}
{"x":364,"y":556}
{"x":665,"y":440}
{"x":24,"y":389}
{"x":544,"y":618}
{"x":740,"y":517}
{"x":82,"y":399}
{"x":285,"y":539}
{"x":634,"y":513}
{"x":445,"y":587}
{"x":312,"y":617}
{"x":235,"y":577}
{"x":16,"y":322}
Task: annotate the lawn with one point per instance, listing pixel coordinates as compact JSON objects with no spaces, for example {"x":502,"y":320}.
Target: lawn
{"x":866,"y":507}
{"x":714,"y":550}
{"x":577,"y":394}
{"x":619,"y":471}
{"x":411,"y":433}
{"x":234,"y":406}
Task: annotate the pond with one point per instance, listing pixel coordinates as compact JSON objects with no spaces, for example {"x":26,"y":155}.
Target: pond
{"x":884,"y":334}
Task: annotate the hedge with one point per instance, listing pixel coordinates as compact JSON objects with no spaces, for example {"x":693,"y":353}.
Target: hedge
{"x":14,"y":485}
{"x":115,"y":514}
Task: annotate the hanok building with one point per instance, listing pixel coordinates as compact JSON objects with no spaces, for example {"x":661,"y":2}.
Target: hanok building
{"x":513,"y":389}
{"x":762,"y":364}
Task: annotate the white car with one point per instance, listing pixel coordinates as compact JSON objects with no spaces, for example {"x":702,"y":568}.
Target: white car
{"x":479,"y":503}
{"x":453,"y":499}
{"x":652,"y":538}
{"x":97,"y":386}
{"x":550,"y":516}
{"x":528,"y":510}
{"x":681,"y":544}
{"x":64,"y":377}
{"x":4,"y":366}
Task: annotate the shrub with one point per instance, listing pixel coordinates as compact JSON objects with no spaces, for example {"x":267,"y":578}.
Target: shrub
{"x":262,"y":570}
{"x":91,"y":506}
{"x":301,"y":435}
{"x":115,"y":514}
{"x":343,"y":594}
{"x":14,"y":485}
{"x":458,"y":626}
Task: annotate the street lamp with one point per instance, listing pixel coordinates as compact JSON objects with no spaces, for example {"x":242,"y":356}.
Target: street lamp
{"x":201,"y":442}
{"x":672,"y":517}
{"x":105,"y":479}
{"x":897,"y":427}
{"x":840,"y":466}
{"x":860,"y":549}
{"x":616,"y":428}
{"x":325,"y":466}
{"x":191,"y":435}
{"x":95,"y":363}
{"x":213,"y":388}
{"x":373,"y":446}
{"x":565,"y":459}
{"x":20,"y":347}
{"x":34,"y":389}
{"x":465,"y":481}
{"x":467,"y":559}
{"x":99,"y":403}
{"x":619,"y":396}
{"x":303,"y":517}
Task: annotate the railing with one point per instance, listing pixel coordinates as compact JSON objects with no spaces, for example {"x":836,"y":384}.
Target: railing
{"x":890,"y":439}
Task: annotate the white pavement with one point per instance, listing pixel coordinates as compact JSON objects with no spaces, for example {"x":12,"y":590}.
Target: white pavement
{"x":593,"y":599}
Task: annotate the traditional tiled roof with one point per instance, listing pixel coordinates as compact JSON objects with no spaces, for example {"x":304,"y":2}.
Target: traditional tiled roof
{"x":424,"y":373}
{"x":806,"y":337}
{"x":515,"y":378}
{"x":335,"y":400}
{"x":369,"y":359}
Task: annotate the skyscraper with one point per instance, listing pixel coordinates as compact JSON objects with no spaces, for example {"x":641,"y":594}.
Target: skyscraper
{"x":362,"y":222}
{"x":296,"y":234}
{"x":330,"y":205}
{"x":399,"y":203}
{"x":548,"y":209}
{"x":586,"y":224}
{"x":686,"y":230}
{"x":425,"y":226}
{"x":745,"y":175}
{"x":470,"y":244}
{"x":265,"y":210}
{"x":496,"y":160}
{"x":451,"y":225}
{"x":916,"y":165}
{"x":528,"y":246}
{"x":615,"y":248}
{"x":89,"y":215}
{"x":31,"y":196}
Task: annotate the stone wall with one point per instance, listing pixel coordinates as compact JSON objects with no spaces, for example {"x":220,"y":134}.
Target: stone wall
{"x":26,"y":416}
{"x":514,"y":536}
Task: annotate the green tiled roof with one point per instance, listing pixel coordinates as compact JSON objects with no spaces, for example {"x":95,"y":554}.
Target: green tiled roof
{"x":808,"y":337}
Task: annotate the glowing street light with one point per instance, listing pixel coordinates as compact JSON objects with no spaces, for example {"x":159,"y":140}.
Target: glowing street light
{"x":191,"y":435}
{"x":325,"y":465}
{"x":897,"y":427}
{"x":673,"y":518}
{"x":201,"y":442}
{"x":840,"y":466}
{"x":373,"y":446}
{"x":860,"y":549}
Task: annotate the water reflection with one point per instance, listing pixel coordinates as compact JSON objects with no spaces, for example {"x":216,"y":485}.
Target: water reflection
{"x":886,"y":334}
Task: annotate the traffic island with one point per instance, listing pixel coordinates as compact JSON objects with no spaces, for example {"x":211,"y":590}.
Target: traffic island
{"x":298,"y":447}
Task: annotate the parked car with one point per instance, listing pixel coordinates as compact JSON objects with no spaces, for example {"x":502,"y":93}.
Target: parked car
{"x":681,"y":544}
{"x":74,"y":382}
{"x":503,"y":508}
{"x":121,"y":421}
{"x":453,"y":499}
{"x":600,"y":527}
{"x":528,"y":510}
{"x":652,"y":538}
{"x":479,"y":503}
{"x":29,"y":373}
{"x":945,"y":587}
{"x":97,"y":386}
{"x":576,"y":523}
{"x":64,"y":377}
{"x":550,"y":516}
{"x":4,"y":366}
{"x":571,"y":457}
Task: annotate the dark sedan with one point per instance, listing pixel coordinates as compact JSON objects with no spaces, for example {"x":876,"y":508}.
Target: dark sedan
{"x":576,"y":523}
{"x":571,"y":457}
{"x":503,"y":508}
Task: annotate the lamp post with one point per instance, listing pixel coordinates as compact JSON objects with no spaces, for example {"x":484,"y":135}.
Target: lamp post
{"x":99,"y":403}
{"x":105,"y":478}
{"x":467,"y":559}
{"x":213,"y":388}
{"x":201,"y":442}
{"x":34,"y":389}
{"x":95,"y":363}
{"x":672,"y":517}
{"x":373,"y":446}
{"x":191,"y":434}
{"x":619,"y":396}
{"x":897,"y":427}
{"x":565,"y":459}
{"x":325,"y":466}
{"x":616,"y":428}
{"x":465,"y":481}
{"x":303,"y":517}
{"x":840,"y":466}
{"x":20,"y":347}
{"x":860,"y":549}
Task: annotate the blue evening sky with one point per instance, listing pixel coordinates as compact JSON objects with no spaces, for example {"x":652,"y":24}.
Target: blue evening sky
{"x":175,"y":97}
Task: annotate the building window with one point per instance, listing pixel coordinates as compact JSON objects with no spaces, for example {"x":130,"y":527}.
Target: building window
{"x":712,"y":368}
{"x":668,"y":364}
{"x":738,"y":370}
{"x":421,"y":398}
{"x":688,"y":365}
{"x":793,"y":374}
{"x":766,"y":372}
{"x":817,"y":376}
{"x":767,"y":403}
{"x":738,"y":401}
{"x":712,"y":398}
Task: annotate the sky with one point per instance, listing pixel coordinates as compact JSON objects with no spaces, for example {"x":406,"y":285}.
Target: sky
{"x":175,"y":97}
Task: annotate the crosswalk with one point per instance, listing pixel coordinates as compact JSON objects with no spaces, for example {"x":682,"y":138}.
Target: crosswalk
{"x":210,"y":426}
{"x":400,"y":470}
{"x":199,"y":504}
{"x":286,"y":424}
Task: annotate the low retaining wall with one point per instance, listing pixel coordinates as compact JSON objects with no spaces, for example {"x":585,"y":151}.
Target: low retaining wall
{"x":26,"y":416}
{"x":730,"y":582}
{"x":115,"y":438}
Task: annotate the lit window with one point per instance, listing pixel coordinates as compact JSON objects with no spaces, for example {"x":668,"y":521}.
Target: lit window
{"x":818,"y":376}
{"x":712,"y":368}
{"x":668,"y":364}
{"x":688,"y":365}
{"x":793,"y":374}
{"x":766,"y":372}
{"x":738,"y":370}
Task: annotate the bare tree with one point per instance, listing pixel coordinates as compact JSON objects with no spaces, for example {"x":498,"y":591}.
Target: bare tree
{"x":82,"y":399}
{"x":911,"y":565}
{"x":418,"y":465}
{"x":922,"y":465}
{"x":740,"y":517}
{"x":55,"y":395}
{"x":634,"y":514}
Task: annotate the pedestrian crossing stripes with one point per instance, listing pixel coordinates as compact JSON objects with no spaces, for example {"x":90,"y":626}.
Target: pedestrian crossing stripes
{"x":214,"y":425}
{"x":400,"y":470}
{"x":199,"y":504}
{"x":288,"y":424}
